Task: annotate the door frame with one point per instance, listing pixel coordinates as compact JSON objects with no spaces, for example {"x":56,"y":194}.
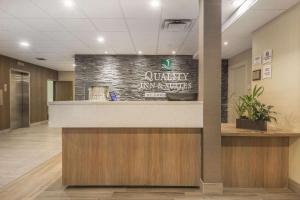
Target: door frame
{"x":29,"y":92}
{"x":230,"y":69}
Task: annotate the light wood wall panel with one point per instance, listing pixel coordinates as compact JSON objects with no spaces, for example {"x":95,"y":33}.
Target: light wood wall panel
{"x":255,"y":162}
{"x":38,"y":89}
{"x":128,"y":156}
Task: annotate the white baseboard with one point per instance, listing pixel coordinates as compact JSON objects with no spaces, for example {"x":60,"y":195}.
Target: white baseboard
{"x":211,"y":188}
{"x":294,"y":186}
{"x":5,"y":131}
{"x":39,"y":123}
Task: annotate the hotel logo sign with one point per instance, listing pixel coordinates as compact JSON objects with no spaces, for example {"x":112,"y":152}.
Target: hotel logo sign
{"x":166,"y":64}
{"x":165,"y":81}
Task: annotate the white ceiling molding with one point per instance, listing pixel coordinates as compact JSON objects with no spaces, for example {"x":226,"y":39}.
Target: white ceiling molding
{"x":239,"y":13}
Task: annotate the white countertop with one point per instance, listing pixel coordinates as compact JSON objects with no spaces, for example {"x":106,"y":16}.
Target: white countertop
{"x":125,"y":103}
{"x":126,"y":114}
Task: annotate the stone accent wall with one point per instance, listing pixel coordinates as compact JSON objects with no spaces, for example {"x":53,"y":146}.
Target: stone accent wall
{"x":124,"y":74}
{"x":224,"y":91}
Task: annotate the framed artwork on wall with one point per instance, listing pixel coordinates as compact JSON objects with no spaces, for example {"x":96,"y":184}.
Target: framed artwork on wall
{"x":257,"y":60}
{"x":268,"y":56}
{"x":256,"y":75}
{"x":267,"y":72}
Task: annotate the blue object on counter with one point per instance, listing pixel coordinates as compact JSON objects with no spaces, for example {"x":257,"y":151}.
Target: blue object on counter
{"x":113,"y":96}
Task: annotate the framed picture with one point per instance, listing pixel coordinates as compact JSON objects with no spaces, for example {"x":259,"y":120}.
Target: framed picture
{"x":267,"y":72}
{"x":257,"y":60}
{"x":268,"y":56}
{"x":256,"y":75}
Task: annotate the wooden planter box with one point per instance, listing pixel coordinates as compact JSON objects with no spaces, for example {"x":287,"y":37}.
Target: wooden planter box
{"x":252,"y":125}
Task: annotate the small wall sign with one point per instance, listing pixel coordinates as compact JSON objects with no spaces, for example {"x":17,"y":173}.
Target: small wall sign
{"x":267,"y":57}
{"x":257,"y":60}
{"x":155,"y":95}
{"x":256,"y":75}
{"x":267,"y":72}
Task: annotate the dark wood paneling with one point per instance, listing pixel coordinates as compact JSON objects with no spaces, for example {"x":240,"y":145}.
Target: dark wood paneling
{"x":255,"y":162}
{"x":38,"y":89}
{"x":63,"y":91}
{"x":140,"y":157}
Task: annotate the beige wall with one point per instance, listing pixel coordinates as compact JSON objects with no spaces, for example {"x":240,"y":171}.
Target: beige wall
{"x":66,"y":76}
{"x":243,"y":59}
{"x":283,"y":90}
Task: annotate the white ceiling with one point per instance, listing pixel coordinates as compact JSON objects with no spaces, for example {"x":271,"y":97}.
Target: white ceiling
{"x":239,"y":35}
{"x":57,"y":33}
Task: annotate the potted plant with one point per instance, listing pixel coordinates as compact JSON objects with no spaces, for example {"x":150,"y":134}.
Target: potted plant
{"x":252,"y":113}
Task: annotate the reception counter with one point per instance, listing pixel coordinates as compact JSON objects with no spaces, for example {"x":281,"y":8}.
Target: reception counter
{"x":129,"y":143}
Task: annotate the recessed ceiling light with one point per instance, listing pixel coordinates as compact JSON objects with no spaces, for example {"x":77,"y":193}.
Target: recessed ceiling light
{"x":74,"y":65}
{"x":106,"y":52}
{"x":140,"y":52}
{"x":24,"y":44}
{"x":155,"y":3}
{"x":226,"y":43}
{"x":173,"y":52}
{"x":100,"y":39}
{"x":69,"y":3}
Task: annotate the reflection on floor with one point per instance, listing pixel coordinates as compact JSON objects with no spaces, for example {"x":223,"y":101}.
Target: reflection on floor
{"x":23,"y":149}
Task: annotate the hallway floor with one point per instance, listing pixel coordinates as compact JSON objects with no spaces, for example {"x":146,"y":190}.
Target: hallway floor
{"x":23,"y":149}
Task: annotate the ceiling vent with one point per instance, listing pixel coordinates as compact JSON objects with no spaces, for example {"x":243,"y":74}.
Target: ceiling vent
{"x":177,"y":24}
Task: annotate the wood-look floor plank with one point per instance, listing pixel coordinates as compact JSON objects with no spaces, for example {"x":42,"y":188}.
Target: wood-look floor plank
{"x":33,"y":183}
{"x":23,"y":149}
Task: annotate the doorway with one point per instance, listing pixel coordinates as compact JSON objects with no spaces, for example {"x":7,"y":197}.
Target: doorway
{"x":19,"y":99}
{"x":63,"y":90}
{"x":237,"y":86}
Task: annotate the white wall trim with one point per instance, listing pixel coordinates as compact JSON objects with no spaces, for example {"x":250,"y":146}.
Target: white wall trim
{"x":294,"y":186}
{"x":39,"y":123}
{"x":211,"y":188}
{"x":5,"y":131}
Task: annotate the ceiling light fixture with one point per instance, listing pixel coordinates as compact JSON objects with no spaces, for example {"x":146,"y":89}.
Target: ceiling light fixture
{"x":100,"y":39}
{"x":69,"y":3}
{"x":238,"y":14}
{"x":140,"y":52}
{"x":155,"y":3}
{"x":226,"y":43}
{"x":106,"y":52}
{"x":74,"y":65}
{"x":174,"y":52}
{"x":24,"y":44}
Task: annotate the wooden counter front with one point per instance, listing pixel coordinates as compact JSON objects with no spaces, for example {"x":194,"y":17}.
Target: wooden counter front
{"x":131,"y":156}
{"x":255,"y":159}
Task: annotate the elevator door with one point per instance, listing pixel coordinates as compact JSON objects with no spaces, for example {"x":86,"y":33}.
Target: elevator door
{"x":19,"y":99}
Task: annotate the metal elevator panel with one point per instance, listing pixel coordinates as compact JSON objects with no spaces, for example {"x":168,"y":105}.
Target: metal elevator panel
{"x":19,"y":99}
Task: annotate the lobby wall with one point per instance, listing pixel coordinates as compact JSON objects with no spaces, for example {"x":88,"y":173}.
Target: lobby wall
{"x":66,"y":76}
{"x":125,"y":73}
{"x":283,"y":90}
{"x":38,"y":89}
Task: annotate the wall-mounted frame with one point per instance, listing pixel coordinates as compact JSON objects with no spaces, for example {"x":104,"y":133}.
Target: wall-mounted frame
{"x":257,"y":60}
{"x":256,"y":75}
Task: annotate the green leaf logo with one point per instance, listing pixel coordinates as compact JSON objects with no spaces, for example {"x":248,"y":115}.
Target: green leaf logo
{"x":166,"y":64}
